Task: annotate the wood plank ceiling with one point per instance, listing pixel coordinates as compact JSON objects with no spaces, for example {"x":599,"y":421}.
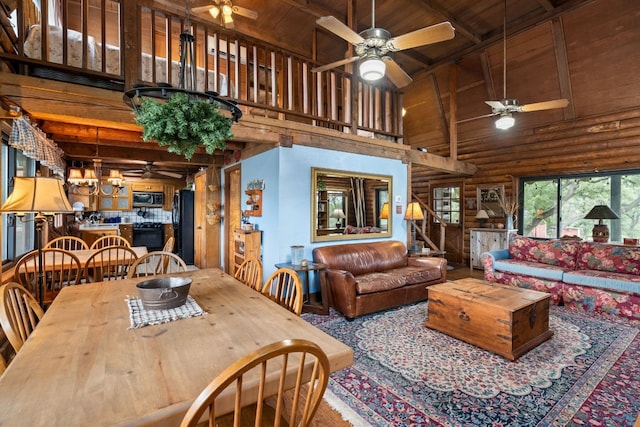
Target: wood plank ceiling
{"x":291,"y":24}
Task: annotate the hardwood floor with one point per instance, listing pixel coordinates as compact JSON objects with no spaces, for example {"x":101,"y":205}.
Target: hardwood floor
{"x":461,"y":271}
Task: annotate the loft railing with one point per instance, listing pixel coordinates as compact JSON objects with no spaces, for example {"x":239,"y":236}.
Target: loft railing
{"x":114,"y":44}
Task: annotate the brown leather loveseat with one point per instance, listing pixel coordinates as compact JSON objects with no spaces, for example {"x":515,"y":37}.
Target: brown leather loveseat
{"x":364,"y":278}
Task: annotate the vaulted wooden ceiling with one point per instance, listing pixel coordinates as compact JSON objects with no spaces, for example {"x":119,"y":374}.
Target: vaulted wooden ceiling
{"x":291,"y":25}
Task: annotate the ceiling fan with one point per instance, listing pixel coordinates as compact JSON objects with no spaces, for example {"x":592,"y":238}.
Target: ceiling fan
{"x":506,"y":107}
{"x":224,"y":10}
{"x":149,"y":171}
{"x":373,"y":45}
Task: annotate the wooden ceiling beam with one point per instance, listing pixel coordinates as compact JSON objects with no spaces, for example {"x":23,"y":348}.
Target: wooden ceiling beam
{"x":461,"y":28}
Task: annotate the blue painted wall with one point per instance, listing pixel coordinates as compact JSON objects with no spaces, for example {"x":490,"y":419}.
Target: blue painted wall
{"x":286,"y":208}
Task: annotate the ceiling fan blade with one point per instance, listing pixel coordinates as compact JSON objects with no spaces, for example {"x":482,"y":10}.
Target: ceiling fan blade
{"x":477,"y":117}
{"x":547,"y":105}
{"x":496,"y":105}
{"x":339,"y":29}
{"x":201,"y":9}
{"x":396,"y":74}
{"x":433,"y":34}
{"x":334,"y":64}
{"x":170,"y":174}
{"x":247,"y":13}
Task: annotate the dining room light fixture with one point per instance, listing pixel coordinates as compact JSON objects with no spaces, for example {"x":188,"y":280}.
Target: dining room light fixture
{"x":505,"y":121}
{"x":372,"y":68}
{"x":43,"y":197}
{"x":187,"y":74}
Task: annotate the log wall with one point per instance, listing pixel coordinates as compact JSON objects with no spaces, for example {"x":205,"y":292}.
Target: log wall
{"x":604,"y":143}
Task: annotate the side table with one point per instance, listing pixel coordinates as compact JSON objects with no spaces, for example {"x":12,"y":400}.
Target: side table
{"x":309,"y":306}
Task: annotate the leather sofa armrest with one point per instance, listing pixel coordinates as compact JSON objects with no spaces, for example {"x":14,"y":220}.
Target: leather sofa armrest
{"x":430,"y":262}
{"x":342,"y":286}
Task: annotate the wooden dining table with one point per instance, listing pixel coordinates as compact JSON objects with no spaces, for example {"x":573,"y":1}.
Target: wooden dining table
{"x":83,"y":365}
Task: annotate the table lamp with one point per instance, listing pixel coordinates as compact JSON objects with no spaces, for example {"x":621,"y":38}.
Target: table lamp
{"x":339,"y":215}
{"x":600,"y":231}
{"x":384,"y":212}
{"x":43,"y":197}
{"x":482,"y":216}
{"x":412,"y":213}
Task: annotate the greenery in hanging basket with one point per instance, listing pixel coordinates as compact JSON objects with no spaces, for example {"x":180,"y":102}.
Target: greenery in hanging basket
{"x":182,"y":124}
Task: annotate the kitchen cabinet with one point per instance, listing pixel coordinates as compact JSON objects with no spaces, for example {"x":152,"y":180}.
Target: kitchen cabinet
{"x":91,"y":236}
{"x":246,"y":244}
{"x":113,"y":198}
{"x":126,"y":231}
{"x":169,"y":190}
{"x":485,"y":240}
{"x":148,"y":186}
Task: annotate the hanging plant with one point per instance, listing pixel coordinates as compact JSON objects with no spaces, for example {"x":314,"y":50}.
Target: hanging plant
{"x":182,"y":124}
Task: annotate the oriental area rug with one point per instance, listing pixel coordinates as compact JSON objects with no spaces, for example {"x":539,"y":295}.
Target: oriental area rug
{"x":404,"y":374}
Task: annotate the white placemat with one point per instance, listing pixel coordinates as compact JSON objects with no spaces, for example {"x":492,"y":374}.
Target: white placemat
{"x":140,"y":317}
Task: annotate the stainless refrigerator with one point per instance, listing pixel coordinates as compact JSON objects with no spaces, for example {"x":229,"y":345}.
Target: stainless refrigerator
{"x":183,"y":224}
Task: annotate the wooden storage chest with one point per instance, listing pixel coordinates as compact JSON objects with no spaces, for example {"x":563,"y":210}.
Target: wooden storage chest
{"x":505,"y":320}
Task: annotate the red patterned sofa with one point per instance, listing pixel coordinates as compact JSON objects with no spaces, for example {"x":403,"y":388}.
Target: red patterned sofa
{"x":597,"y":277}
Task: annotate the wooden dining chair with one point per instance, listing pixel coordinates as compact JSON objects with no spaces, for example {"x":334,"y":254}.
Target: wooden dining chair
{"x":308,"y":382}
{"x":285,"y":288}
{"x":168,"y":245}
{"x":109,"y":263}
{"x":110,"y":240}
{"x":158,"y":262}
{"x":250,"y":273}
{"x":19,"y":313}
{"x":60,"y":268}
{"x":68,"y":243}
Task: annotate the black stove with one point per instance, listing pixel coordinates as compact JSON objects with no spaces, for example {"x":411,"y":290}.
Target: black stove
{"x":141,"y":225}
{"x":149,"y":234}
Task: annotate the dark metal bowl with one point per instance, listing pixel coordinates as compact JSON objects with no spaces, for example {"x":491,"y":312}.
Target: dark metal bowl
{"x":164,"y":293}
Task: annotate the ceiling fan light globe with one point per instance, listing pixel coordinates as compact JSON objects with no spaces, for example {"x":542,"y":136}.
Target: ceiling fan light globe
{"x":505,"y":121}
{"x":372,"y":69}
{"x":214,"y":11}
{"x":227,"y":10}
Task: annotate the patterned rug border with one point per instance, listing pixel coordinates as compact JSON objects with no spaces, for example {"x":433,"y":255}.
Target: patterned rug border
{"x":582,"y":390}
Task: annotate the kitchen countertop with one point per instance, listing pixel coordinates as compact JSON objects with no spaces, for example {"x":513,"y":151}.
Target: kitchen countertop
{"x":99,"y":226}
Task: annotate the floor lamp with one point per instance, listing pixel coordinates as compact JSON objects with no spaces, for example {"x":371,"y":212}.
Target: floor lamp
{"x":43,"y":197}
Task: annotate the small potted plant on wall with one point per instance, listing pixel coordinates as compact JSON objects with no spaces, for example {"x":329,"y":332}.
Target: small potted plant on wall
{"x":182,"y":124}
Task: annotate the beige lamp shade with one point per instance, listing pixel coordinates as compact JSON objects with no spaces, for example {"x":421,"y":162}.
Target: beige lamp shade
{"x":482,"y":214}
{"x":414,"y":211}
{"x":384,"y":213}
{"x":338,"y":213}
{"x":37,"y":195}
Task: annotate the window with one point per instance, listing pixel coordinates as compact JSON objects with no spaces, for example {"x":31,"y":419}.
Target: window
{"x":556,"y":206}
{"x":446,"y":204}
{"x":18,"y":235}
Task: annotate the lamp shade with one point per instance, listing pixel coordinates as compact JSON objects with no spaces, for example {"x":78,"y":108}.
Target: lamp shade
{"x":413,"y":211}
{"x":482,"y":214}
{"x":505,"y":121}
{"x":372,"y":68}
{"x":37,"y":195}
{"x":601,"y":212}
{"x":384,"y":213}
{"x":338,"y":213}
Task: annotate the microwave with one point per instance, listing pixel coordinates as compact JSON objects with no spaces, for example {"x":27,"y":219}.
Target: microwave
{"x":147,"y":199}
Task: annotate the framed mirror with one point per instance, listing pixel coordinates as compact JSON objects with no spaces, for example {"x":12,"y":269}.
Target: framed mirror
{"x":348,"y":205}
{"x":489,"y":199}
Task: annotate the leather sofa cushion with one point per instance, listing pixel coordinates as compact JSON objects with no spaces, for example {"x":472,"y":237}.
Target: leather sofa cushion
{"x":376,"y":282}
{"x":415,"y":275}
{"x":363,"y":258}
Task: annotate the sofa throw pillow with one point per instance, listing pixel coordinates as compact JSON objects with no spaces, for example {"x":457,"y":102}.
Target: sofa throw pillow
{"x":560,"y":253}
{"x":607,"y":257}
